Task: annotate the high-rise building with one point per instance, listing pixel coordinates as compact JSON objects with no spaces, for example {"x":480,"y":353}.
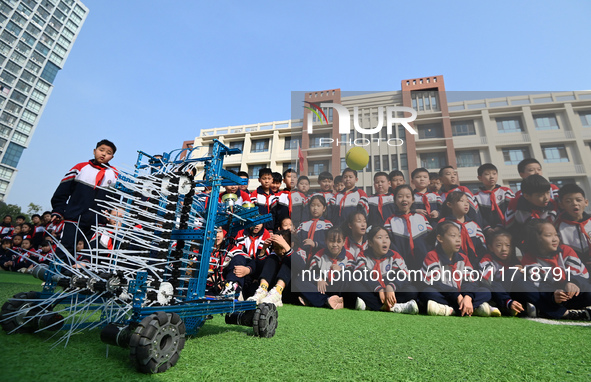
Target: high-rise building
{"x":35,"y":40}
{"x":554,"y":128}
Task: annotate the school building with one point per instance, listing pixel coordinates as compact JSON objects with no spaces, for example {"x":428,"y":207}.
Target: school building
{"x":462,"y":129}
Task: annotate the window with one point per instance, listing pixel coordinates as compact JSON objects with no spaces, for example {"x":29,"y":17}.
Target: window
{"x":431,"y":130}
{"x":425,"y":100}
{"x":59,"y":50}
{"x":555,"y":154}
{"x":37,"y":58}
{"x":394,"y":162}
{"x":14,"y":28}
{"x":236,"y":169}
{"x":7,"y":77}
{"x":28,"y":38}
{"x":259,"y":146}
{"x":509,"y":125}
{"x":27,"y":76}
{"x":385,"y":163}
{"x":18,"y":58}
{"x":368,"y":190}
{"x":24,"y":9}
{"x":403,"y":162}
{"x":77,"y":19}
{"x":12,"y":67}
{"x":368,"y":167}
{"x":24,"y":127}
{"x":21,"y":47}
{"x":515,"y":186}
{"x":585,"y":118}
{"x":29,"y":116}
{"x":253,"y":170}
{"x":68,"y":34}
{"x":37,"y":96}
{"x":46,"y":40}
{"x":70,"y":24}
{"x":515,"y":155}
{"x":376,"y":163}
{"x":546,"y":122}
{"x":559,"y":182}
{"x":34,"y":106}
{"x":33,"y":30}
{"x":13,"y":107}
{"x":33,"y":67}
{"x":4,"y":48}
{"x":433,"y":160}
{"x":42,"y":86}
{"x":316,"y":167}
{"x":13,"y":154}
{"x":20,"y":20}
{"x":79,"y":11}
{"x":47,"y":4}
{"x":401,"y":132}
{"x":42,"y":49}
{"x":237,"y":145}
{"x":18,"y":97}
{"x":292,"y":143}
{"x":319,"y":140}
{"x":460,"y":128}
{"x":468,"y":158}
{"x":287,"y":166}
{"x":64,"y":41}
{"x":343,"y":164}
{"x":19,"y":138}
{"x":6,"y":173}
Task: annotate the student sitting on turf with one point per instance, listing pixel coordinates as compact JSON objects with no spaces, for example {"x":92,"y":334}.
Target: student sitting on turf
{"x":45,"y":253}
{"x":558,"y":273}
{"x":334,"y":257}
{"x":396,"y":178}
{"x":6,"y":254}
{"x":409,"y":229}
{"x":339,"y":185}
{"x":574,"y":224}
{"x":355,"y":229}
{"x":17,"y":240}
{"x":395,"y":293}
{"x":492,"y":198}
{"x":434,"y":183}
{"x":534,"y":203}
{"x":299,"y":200}
{"x":450,"y":289}
{"x":381,"y":204}
{"x":247,"y":259}
{"x":24,"y":258}
{"x":311,"y":233}
{"x":350,"y":200}
{"x":531,"y":166}
{"x":450,"y":181}
{"x":16,"y":231}
{"x":456,"y":211}
{"x":501,"y":280}
{"x":425,"y":203}
{"x":276,"y":270}
{"x":27,"y":230}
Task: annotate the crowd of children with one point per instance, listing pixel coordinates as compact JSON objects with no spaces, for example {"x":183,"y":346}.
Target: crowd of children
{"x":429,"y":245}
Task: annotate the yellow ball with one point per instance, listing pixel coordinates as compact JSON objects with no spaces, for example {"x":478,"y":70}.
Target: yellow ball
{"x":357,"y":158}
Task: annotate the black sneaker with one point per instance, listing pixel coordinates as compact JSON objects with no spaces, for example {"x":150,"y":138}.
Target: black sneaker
{"x":578,"y":315}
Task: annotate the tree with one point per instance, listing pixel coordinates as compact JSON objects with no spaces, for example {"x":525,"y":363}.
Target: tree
{"x":12,"y":210}
{"x":34,"y":209}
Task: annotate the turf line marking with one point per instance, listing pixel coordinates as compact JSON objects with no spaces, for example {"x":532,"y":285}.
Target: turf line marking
{"x":557,"y":322}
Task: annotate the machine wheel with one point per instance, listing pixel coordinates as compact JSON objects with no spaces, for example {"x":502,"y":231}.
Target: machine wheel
{"x":156,"y":343}
{"x":264,"y":321}
{"x":14,"y":305}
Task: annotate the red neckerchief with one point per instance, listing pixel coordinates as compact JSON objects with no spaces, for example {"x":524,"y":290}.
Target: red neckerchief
{"x":493,"y":204}
{"x":406,"y":218}
{"x":380,"y":204}
{"x":100,"y":175}
{"x":348,"y":244}
{"x":312,"y":229}
{"x":376,"y":267}
{"x":425,"y":200}
{"x":466,"y":239}
{"x":345,"y":198}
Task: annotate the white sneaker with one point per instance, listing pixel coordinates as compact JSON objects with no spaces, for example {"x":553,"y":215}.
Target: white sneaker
{"x":495,"y":312}
{"x":409,"y":307}
{"x":359,"y":304}
{"x":230,"y":288}
{"x":437,"y":309}
{"x":259,"y":295}
{"x":531,"y":310}
{"x":273,"y":297}
{"x":483,"y":310}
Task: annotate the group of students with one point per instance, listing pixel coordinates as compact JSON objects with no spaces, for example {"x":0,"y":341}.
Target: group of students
{"x":26,"y":244}
{"x":452,"y":252}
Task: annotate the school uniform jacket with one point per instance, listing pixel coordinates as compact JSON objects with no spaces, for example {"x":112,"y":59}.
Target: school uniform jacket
{"x":250,"y":246}
{"x":347,"y":202}
{"x":315,"y":230}
{"x":520,"y":211}
{"x":474,"y":212}
{"x":493,"y":204}
{"x":428,"y":201}
{"x":322,"y":261}
{"x":435,"y":274}
{"x":380,"y":208}
{"x":473,"y":241}
{"x":565,"y":259}
{"x":576,"y":234}
{"x":553,"y":192}
{"x":355,"y":248}
{"x":496,"y":274}
{"x":390,"y":262}
{"x":328,"y":196}
{"x":409,"y":233}
{"x":299,"y":207}
{"x":5,"y":230}
{"x":79,"y":191}
{"x":266,"y":202}
{"x":283,"y":208}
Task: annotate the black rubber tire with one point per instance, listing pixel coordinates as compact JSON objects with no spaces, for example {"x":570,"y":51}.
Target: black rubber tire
{"x":156,"y":342}
{"x":13,"y":305}
{"x":264,"y":321}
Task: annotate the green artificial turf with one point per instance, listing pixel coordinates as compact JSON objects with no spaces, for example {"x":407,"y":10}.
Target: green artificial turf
{"x":319,"y":344}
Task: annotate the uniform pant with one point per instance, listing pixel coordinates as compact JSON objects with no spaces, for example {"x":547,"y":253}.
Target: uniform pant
{"x":481,"y":295}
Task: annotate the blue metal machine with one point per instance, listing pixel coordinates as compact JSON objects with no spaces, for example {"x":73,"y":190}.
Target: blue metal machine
{"x":147,"y":290}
